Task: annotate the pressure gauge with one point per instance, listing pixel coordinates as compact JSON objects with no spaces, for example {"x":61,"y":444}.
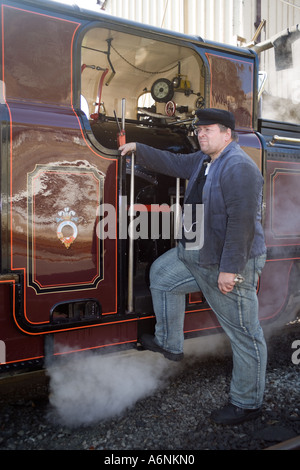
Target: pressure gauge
{"x":162,"y":90}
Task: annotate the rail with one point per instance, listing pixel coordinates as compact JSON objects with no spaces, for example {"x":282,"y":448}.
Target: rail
{"x":291,"y":444}
{"x":131,"y":239}
{"x":290,"y":140}
{"x":9,"y":277}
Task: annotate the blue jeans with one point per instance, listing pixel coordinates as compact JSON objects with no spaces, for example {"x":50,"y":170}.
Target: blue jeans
{"x":177,"y":273}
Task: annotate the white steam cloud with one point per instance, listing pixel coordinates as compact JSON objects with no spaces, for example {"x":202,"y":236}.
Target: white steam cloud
{"x":89,"y":388}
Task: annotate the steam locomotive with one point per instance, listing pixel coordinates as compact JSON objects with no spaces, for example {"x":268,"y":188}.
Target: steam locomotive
{"x":74,"y":83}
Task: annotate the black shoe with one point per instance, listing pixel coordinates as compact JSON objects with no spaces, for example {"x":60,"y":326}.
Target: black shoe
{"x":231,"y":414}
{"x":148,"y":342}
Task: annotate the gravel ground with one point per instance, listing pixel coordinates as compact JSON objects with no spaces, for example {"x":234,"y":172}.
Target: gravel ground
{"x":141,"y":401}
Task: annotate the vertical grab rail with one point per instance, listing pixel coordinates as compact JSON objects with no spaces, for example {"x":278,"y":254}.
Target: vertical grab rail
{"x":131,"y":239}
{"x":178,"y":212}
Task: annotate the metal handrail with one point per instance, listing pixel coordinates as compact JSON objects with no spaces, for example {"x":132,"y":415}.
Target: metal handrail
{"x":278,"y":138}
{"x":131,"y":239}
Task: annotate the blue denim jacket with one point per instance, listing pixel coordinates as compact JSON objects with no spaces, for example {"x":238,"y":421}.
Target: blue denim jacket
{"x":232,"y":199}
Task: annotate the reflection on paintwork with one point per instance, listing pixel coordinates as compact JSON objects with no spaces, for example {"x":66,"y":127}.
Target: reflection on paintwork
{"x":232,"y":87}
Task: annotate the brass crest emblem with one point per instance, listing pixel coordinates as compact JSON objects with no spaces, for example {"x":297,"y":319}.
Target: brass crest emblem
{"x":67,"y":218}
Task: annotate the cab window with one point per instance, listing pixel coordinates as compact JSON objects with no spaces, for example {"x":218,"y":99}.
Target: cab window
{"x":158,"y":81}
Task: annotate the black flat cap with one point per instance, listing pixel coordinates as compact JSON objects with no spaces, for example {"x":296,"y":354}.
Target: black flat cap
{"x":215,"y":116}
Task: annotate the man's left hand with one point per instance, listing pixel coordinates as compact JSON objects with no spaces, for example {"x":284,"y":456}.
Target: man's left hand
{"x":226,"y":282}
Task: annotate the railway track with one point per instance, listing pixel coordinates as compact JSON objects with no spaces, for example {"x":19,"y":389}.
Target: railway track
{"x":290,"y":444}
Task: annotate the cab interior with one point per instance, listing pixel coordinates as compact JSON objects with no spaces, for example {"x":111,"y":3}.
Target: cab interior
{"x":140,"y":79}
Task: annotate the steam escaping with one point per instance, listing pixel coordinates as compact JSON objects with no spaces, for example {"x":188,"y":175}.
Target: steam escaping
{"x":88,"y":388}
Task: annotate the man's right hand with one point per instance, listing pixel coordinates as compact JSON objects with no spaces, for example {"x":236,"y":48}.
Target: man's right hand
{"x":127,"y":149}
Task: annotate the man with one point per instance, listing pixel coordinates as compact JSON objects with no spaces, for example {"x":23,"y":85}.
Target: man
{"x":225,"y":266}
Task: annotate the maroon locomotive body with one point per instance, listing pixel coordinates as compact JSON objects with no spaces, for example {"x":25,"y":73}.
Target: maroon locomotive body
{"x":65,"y":75}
